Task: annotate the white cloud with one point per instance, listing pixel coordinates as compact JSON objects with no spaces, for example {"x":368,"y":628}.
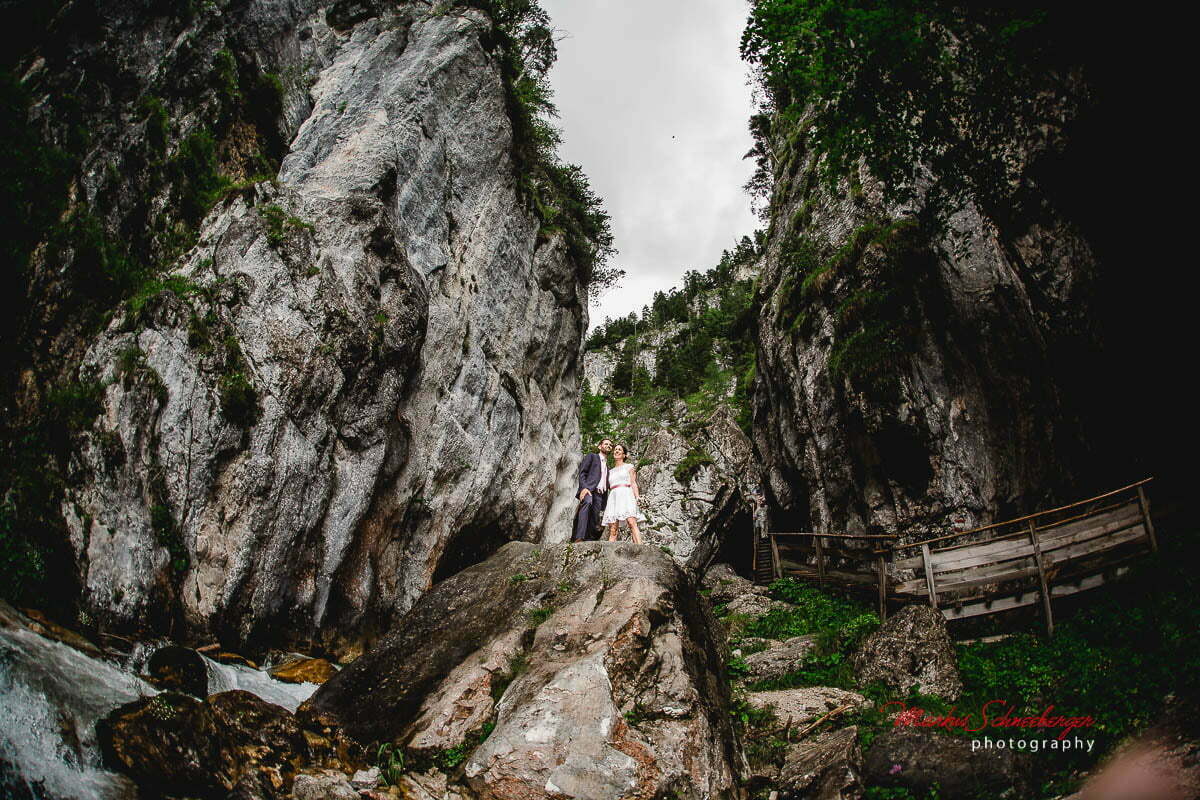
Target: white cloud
{"x":654,"y":106}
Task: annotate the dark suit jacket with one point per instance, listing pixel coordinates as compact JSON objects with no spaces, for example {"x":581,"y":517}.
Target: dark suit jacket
{"x":589,"y":473}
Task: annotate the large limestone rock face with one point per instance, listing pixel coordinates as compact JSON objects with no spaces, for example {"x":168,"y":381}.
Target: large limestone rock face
{"x":370,"y":377}
{"x":597,"y":664}
{"x":918,"y":382}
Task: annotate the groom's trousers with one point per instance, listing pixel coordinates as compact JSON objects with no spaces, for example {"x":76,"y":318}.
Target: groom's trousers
{"x":587,"y":517}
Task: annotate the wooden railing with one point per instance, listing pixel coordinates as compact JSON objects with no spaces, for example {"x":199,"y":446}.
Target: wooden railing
{"x":984,"y":570}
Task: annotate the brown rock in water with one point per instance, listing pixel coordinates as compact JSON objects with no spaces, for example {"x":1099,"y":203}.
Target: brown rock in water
{"x":233,"y":658}
{"x":912,"y":648}
{"x":304,"y":670}
{"x":41,"y":624}
{"x":598,"y":663}
{"x":179,"y":669}
{"x":168,"y":743}
{"x":231,"y":745}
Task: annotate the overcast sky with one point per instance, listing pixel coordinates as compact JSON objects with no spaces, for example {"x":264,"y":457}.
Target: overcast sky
{"x":654,"y":106}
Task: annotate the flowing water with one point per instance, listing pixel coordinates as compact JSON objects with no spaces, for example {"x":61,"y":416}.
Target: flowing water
{"x":51,"y":696}
{"x":226,"y":677}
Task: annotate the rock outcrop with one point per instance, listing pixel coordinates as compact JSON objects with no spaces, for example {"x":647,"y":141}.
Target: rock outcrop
{"x":795,"y":707}
{"x":911,"y":649}
{"x":826,"y":767}
{"x":696,"y":475}
{"x":695,"y":490}
{"x":920,"y":377}
{"x":313,"y":414}
{"x":586,"y":670}
{"x":231,"y":745}
{"x":779,"y":658}
{"x":916,"y":759}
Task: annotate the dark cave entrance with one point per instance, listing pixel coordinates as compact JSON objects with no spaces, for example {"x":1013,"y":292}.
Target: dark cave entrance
{"x":736,"y":543}
{"x":471,"y":544}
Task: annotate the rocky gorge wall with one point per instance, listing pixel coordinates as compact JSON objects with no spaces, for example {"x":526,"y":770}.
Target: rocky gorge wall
{"x":361,"y":375}
{"x":920,"y":375}
{"x":695,"y":470}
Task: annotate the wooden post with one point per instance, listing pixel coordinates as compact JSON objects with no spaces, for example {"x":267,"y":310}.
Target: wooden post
{"x":754,"y":552}
{"x":930,"y":585}
{"x":820,"y":559}
{"x":776,"y":564}
{"x":882,"y":588}
{"x":1037,"y":556}
{"x":1145,"y":504}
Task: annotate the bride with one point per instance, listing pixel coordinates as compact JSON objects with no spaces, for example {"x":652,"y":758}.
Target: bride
{"x":622,"y":497}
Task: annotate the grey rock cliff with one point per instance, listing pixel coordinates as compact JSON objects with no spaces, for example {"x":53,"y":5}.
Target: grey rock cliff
{"x":912,"y":379}
{"x":370,"y":379}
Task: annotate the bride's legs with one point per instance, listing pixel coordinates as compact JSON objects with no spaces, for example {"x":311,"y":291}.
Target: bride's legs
{"x":633,"y":529}
{"x":612,"y":531}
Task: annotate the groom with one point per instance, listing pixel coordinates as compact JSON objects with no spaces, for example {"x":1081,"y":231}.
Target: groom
{"x":593,"y":487}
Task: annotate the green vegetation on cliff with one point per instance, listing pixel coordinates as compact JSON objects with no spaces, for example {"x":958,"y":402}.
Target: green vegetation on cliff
{"x":911,"y":87}
{"x":702,"y":335}
{"x":558,"y":192}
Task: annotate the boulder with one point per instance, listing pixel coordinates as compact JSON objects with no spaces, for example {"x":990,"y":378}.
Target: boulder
{"x":917,"y":758}
{"x":806,"y":704}
{"x":724,"y":585}
{"x":233,"y":742}
{"x":587,"y":669}
{"x":754,"y":643}
{"x":328,"y":785}
{"x":753,"y":605}
{"x":779,"y":658}
{"x":304,"y":670}
{"x":366,"y":778}
{"x":826,"y":767}
{"x":912,"y":648}
{"x":179,"y":669}
{"x":430,"y":785}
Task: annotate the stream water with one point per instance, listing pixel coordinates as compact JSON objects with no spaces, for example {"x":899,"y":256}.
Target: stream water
{"x":51,"y":696}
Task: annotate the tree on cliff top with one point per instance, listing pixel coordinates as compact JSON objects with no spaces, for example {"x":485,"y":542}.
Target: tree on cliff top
{"x":907,"y":85}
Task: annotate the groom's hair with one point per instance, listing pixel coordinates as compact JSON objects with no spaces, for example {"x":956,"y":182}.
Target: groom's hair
{"x":602,"y":440}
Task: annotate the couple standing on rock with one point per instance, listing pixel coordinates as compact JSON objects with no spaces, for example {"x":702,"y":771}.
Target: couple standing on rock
{"x":606,"y":496}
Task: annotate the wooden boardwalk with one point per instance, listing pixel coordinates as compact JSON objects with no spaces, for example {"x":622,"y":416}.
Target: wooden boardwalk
{"x":985,"y":570}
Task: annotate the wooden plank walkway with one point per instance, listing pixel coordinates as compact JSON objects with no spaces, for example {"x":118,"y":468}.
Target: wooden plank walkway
{"x":1025,"y":561}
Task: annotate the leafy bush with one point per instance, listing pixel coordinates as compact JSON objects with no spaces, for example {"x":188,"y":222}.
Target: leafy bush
{"x":696,"y":458}
{"x":239,"y":399}
{"x":279,"y":223}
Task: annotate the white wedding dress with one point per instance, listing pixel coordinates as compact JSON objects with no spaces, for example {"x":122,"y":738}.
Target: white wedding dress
{"x":621,"y":504}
